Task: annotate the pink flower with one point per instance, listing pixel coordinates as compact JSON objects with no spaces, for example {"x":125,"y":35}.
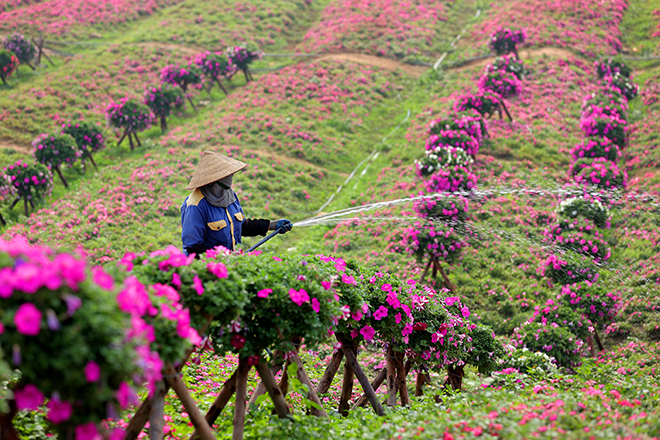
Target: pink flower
{"x":263,"y":293}
{"x":465,"y":312}
{"x":167,"y":291}
{"x":380,"y":313}
{"x":436,"y":337}
{"x":176,"y":280}
{"x":92,"y":371}
{"x":237,"y":341}
{"x":133,"y":298}
{"x":451,"y":300}
{"x":28,"y":319}
{"x":87,"y":431}
{"x":367,"y":332}
{"x":386,"y":288}
{"x":348,"y":279}
{"x":326,"y":284}
{"x":407,"y":329}
{"x":354,"y":333}
{"x":393,"y":300}
{"x":397,"y":318}
{"x":59,"y":411}
{"x":197,"y":283}
{"x":357,"y":315}
{"x":102,"y":279}
{"x":299,"y":297}
{"x":218,"y":269}
{"x":315,"y":305}
{"x":125,"y":395}
{"x":29,"y":397}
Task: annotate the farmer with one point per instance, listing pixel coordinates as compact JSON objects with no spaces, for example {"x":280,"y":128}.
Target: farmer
{"x":212,"y":215}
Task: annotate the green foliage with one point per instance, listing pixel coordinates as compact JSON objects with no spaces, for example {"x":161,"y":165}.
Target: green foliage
{"x":32,"y":181}
{"x":56,"y":149}
{"x":590,"y":208}
{"x":555,"y":341}
{"x":89,"y":137}
{"x":529,"y":362}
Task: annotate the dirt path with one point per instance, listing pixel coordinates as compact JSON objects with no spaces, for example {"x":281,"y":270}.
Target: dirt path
{"x":6,"y":145}
{"x":383,"y":63}
{"x":556,"y":52}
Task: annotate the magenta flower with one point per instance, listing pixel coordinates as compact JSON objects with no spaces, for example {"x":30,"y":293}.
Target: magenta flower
{"x":134,"y":298}
{"x":7,"y":282}
{"x":397,"y":318}
{"x":218,"y":269}
{"x":263,"y":293}
{"x":176,"y":280}
{"x":88,"y":431}
{"x":237,"y":341}
{"x":326,"y":284}
{"x":28,"y":319}
{"x":199,"y":288}
{"x":59,"y":411}
{"x":367,"y":332}
{"x":386,"y":288}
{"x":125,"y":395}
{"x":298,"y":296}
{"x":102,"y":279}
{"x":451,"y":300}
{"x":92,"y":371}
{"x":167,"y":291}
{"x":29,"y":397}
{"x":316,"y":306}
{"x":380,"y":313}
{"x":465,"y":312}
{"x":348,"y":279}
{"x":407,"y":329}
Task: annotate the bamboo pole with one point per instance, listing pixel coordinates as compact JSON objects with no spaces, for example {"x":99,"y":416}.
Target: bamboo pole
{"x":241,"y":393}
{"x":330,"y":372}
{"x":347,"y":388}
{"x":281,"y":408}
{"x":227,"y":390}
{"x":196,"y":417}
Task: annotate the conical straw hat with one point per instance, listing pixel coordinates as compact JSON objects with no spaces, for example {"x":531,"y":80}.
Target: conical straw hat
{"x":213,"y":166}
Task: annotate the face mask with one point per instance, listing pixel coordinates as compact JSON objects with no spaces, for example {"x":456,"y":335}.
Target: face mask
{"x":226,"y":182}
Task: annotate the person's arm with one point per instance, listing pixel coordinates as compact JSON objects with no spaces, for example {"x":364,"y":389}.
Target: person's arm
{"x":254,"y":227}
{"x":193,"y":227}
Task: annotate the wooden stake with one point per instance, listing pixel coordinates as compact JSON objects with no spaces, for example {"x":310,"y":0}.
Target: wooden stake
{"x":364,"y":380}
{"x":157,"y":413}
{"x":130,"y":139}
{"x":426,"y":269}
{"x":220,"y":402}
{"x":347,"y":388}
{"x":30,"y":65}
{"x":221,"y":86}
{"x":330,"y":372}
{"x":506,"y":110}
{"x":401,"y":379}
{"x":91,"y":159}
{"x":137,"y":139}
{"x":597,"y":338}
{"x":284,"y":380}
{"x":377,"y":382}
{"x":245,"y":72}
{"x":419,"y":384}
{"x":241,"y":392}
{"x":196,"y":417}
{"x":2,"y":220}
{"x":25,"y":203}
{"x":390,"y":366}
{"x":281,"y":408}
{"x":121,"y":139}
{"x":311,"y":395}
{"x":18,"y":199}
{"x":451,"y":286}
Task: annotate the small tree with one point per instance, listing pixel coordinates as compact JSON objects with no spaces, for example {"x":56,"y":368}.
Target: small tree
{"x":608,"y":67}
{"x":89,"y":138}
{"x":33,"y":181}
{"x":182,"y":77}
{"x":214,"y":65}
{"x":162,"y":100}
{"x":7,"y":194}
{"x":55,"y":150}
{"x":502,"y":82}
{"x":131,"y":116}
{"x":22,"y":47}
{"x":242,"y":56}
{"x":8,"y":64}
{"x":485,"y":102}
{"x":505,"y":40}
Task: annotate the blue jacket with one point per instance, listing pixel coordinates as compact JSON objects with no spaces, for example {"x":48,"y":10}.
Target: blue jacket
{"x":208,"y":225}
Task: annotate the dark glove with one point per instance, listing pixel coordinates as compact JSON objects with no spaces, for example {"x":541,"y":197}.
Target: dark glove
{"x":284,"y":224}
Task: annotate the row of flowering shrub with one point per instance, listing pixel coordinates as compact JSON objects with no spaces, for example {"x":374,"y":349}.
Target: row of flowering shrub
{"x":578,"y":240}
{"x":80,"y":334}
{"x":451,"y":147}
{"x":16,"y":50}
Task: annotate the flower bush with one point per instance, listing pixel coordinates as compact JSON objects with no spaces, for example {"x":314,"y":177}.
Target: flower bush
{"x":607,"y":102}
{"x":438,"y":240}
{"x":570,"y":267}
{"x":32,"y":181}
{"x":445,"y":208}
{"x":587,"y":207}
{"x":551,"y":339}
{"x":8,"y":64}
{"x":55,"y":150}
{"x":180,"y":76}
{"x":610,"y":127}
{"x":442,"y":157}
{"x":596,"y":303}
{"x":505,"y":40}
{"x":502,"y":82}
{"x":89,"y":138}
{"x":485,"y":102}
{"x":21,"y":47}
{"x":580,"y":236}
{"x":67,"y":337}
{"x":215,"y":64}
{"x":469,"y":121}
{"x":594,"y":147}
{"x":163,"y":99}
{"x":129,"y":115}
{"x":599,"y":172}
{"x":507,"y":63}
{"x":622,"y":84}
{"x":610,"y":66}
{"x":454,"y":178}
{"x":451,"y":139}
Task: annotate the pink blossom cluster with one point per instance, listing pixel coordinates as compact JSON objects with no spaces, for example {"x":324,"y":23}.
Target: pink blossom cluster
{"x":60,"y":17}
{"x":215,"y":64}
{"x":390,"y":28}
{"x":453,"y":139}
{"x":242,"y":56}
{"x":505,"y":40}
{"x":502,"y":82}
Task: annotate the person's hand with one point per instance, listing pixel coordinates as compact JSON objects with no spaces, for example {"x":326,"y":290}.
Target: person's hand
{"x":284,"y":225}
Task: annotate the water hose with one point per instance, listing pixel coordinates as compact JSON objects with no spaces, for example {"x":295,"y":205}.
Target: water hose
{"x":266,"y":238}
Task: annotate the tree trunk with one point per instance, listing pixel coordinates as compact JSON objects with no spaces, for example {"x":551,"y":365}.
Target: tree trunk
{"x":451,"y":286}
{"x":59,"y":173}
{"x":455,"y":377}
{"x":157,"y":413}
{"x":220,"y":402}
{"x":163,"y":123}
{"x":241,"y":394}
{"x":346,"y":389}
{"x":330,"y":372}
{"x":401,"y":379}
{"x":130,"y":139}
{"x":274,"y":391}
{"x":364,"y":380}
{"x":419,"y":384}
{"x":390,"y":365}
{"x":25,"y":203}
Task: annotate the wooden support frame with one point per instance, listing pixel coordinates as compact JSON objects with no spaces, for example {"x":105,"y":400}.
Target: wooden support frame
{"x":436,"y":267}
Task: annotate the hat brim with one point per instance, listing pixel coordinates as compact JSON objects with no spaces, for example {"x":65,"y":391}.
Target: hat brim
{"x":212,"y":167}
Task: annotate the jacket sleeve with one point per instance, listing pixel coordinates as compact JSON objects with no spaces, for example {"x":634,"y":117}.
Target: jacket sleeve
{"x":254,"y":227}
{"x":193,"y":227}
